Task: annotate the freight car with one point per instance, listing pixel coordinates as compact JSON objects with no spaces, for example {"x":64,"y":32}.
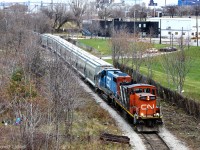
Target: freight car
{"x":139,"y":101}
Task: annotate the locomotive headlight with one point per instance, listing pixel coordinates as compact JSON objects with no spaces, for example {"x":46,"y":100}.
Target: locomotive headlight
{"x":141,"y":114}
{"x":156,"y":114}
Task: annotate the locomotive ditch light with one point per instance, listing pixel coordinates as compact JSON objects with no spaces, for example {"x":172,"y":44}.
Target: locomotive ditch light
{"x":156,"y":114}
{"x":142,"y":115}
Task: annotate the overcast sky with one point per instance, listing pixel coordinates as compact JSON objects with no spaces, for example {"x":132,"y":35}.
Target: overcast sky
{"x":159,"y":2}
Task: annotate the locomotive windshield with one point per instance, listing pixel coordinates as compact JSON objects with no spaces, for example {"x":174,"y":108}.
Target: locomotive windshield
{"x":143,"y":90}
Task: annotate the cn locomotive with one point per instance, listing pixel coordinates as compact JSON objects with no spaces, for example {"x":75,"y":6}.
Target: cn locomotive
{"x":139,"y":101}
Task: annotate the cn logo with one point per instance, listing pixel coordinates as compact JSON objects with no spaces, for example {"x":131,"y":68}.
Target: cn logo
{"x":147,"y":106}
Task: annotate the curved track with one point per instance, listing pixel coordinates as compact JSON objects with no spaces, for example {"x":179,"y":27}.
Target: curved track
{"x":153,"y":141}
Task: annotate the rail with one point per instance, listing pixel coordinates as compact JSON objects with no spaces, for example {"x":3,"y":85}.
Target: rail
{"x":154,"y":141}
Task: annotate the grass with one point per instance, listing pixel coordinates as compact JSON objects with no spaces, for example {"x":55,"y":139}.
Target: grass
{"x":102,"y":45}
{"x":192,"y":81}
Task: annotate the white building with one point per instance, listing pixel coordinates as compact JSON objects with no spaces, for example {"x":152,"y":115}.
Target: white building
{"x":179,"y":27}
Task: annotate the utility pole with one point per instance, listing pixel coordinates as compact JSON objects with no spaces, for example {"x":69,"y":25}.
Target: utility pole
{"x":197,"y":34}
{"x":160,"y":31}
{"x":197,"y":26}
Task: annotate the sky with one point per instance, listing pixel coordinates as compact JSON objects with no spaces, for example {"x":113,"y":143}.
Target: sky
{"x":159,"y":2}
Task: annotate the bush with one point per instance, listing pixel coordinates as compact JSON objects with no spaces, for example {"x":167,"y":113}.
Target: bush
{"x":17,"y":75}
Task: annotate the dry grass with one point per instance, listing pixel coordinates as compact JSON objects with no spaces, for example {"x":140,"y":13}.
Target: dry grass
{"x":185,"y":127}
{"x":90,"y":121}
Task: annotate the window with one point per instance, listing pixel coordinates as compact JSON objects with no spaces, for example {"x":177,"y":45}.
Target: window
{"x":144,"y":25}
{"x":147,"y":90}
{"x":114,"y":80}
{"x":138,"y":90}
{"x":169,"y":32}
{"x":153,"y":92}
{"x":176,"y":33}
{"x":139,"y":25}
{"x":192,"y":33}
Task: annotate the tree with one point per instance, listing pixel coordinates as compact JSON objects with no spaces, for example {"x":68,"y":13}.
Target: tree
{"x":62,"y":15}
{"x":138,"y":49}
{"x":41,"y":23}
{"x":59,"y":15}
{"x":104,"y":13}
{"x":78,"y":8}
{"x":138,"y":11}
{"x":195,"y":10}
{"x":177,"y":66}
{"x":171,"y":10}
{"x":120,"y":43}
{"x":65,"y":92}
{"x":94,"y":27}
{"x":184,"y":10}
{"x":117,"y":13}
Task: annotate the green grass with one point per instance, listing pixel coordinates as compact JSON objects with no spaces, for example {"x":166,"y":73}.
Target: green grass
{"x":158,"y":46}
{"x":192,"y":82}
{"x":102,"y":45}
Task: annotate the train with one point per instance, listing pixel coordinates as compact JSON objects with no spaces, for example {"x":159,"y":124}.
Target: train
{"x":137,"y":100}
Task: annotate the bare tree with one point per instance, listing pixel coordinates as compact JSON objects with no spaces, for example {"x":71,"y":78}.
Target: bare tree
{"x":117,"y":13}
{"x":138,"y":11}
{"x":78,"y":8}
{"x":171,"y":10}
{"x":149,"y":60}
{"x":90,"y":11}
{"x":41,"y":23}
{"x":59,"y":15}
{"x":184,"y":10}
{"x":62,"y":15}
{"x":138,"y":50}
{"x":65,"y":91}
{"x":120,"y":42}
{"x":195,"y":10}
{"x":177,"y":66}
{"x":94,"y":27}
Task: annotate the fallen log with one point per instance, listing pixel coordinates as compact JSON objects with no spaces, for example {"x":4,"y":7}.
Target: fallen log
{"x":115,"y":138}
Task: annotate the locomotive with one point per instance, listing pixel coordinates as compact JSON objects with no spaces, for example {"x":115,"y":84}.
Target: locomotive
{"x":139,"y":101}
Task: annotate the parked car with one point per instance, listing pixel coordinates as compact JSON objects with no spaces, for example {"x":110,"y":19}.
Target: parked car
{"x":168,"y":49}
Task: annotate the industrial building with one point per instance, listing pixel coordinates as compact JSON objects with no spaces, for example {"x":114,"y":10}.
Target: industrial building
{"x":188,"y":28}
{"x":188,"y":2}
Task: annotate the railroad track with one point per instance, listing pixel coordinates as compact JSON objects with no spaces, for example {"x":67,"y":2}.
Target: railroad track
{"x":153,"y":141}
